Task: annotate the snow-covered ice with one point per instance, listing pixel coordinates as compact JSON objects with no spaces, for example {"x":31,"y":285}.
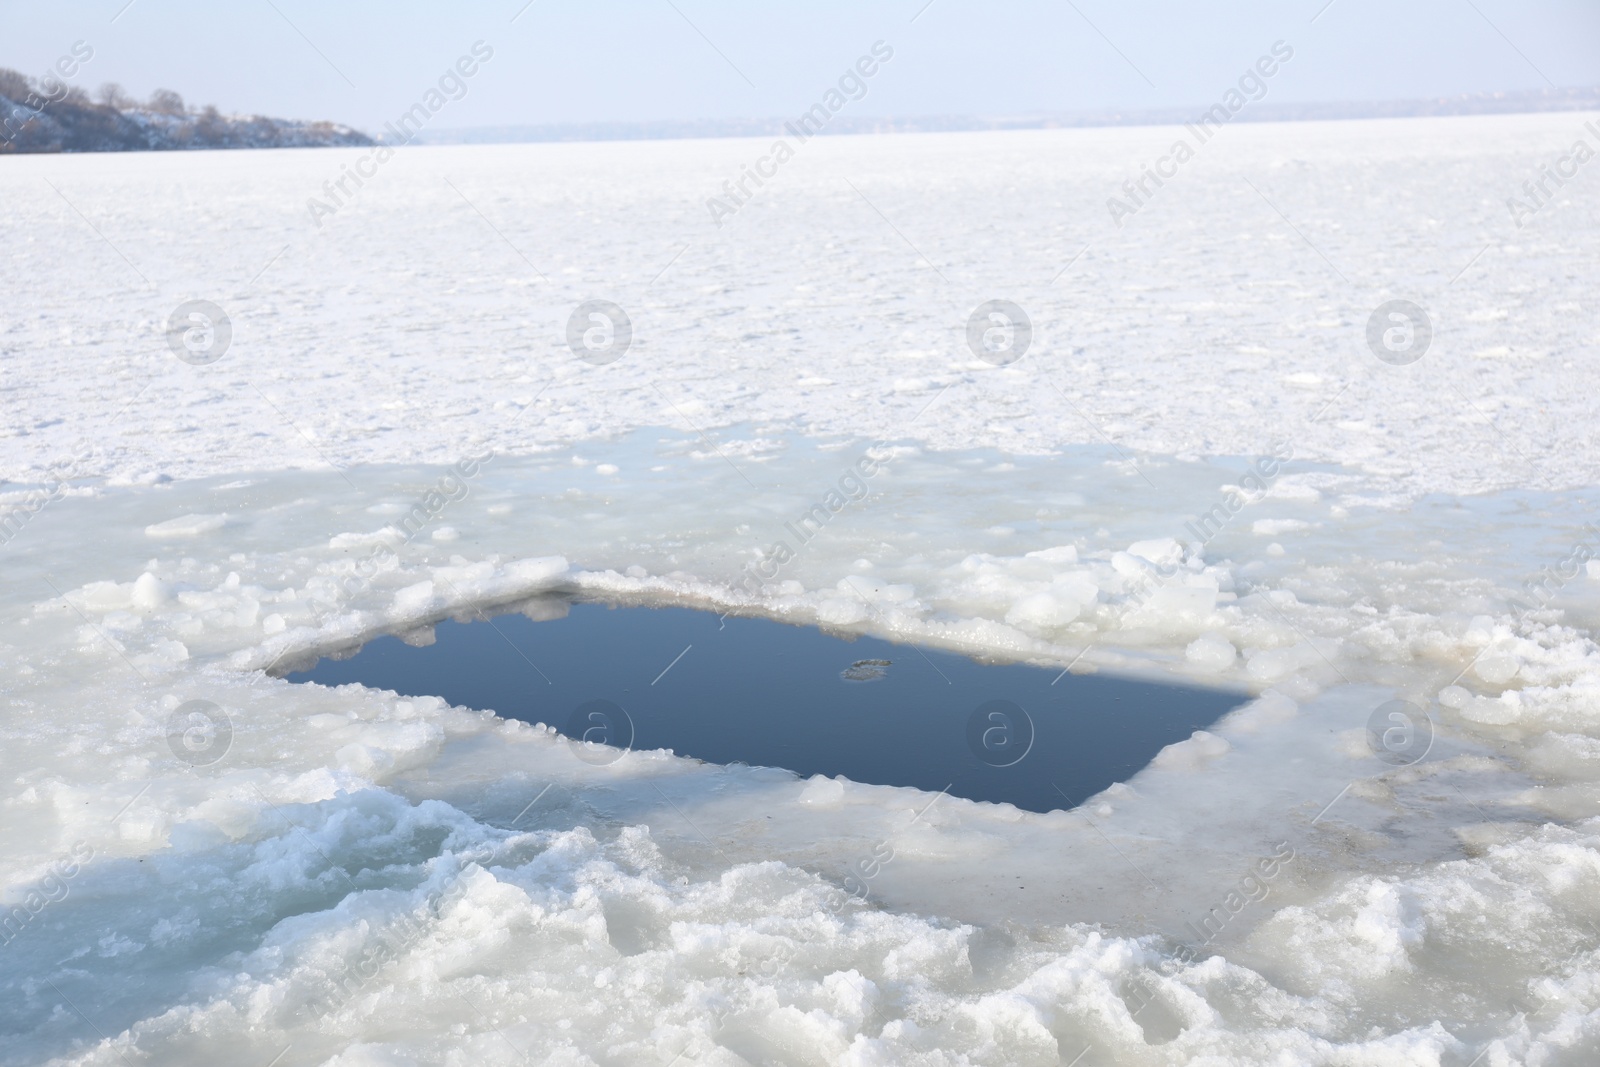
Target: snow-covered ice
{"x":399,"y":433}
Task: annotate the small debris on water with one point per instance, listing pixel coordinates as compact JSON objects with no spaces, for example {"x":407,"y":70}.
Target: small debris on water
{"x":865,"y":670}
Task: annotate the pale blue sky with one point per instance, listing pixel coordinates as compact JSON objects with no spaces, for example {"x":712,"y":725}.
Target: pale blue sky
{"x":628,"y":60}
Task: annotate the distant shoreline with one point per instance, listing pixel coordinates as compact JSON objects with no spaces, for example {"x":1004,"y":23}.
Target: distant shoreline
{"x":74,"y":125}
{"x":49,"y":115}
{"x":1511,"y":103}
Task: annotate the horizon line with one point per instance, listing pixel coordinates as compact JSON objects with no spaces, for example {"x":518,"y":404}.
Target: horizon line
{"x":1502,"y":102}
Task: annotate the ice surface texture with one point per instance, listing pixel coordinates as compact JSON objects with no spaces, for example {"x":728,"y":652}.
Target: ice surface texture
{"x":1203,"y":326}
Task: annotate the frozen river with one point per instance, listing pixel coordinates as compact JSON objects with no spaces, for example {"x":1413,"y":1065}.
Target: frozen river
{"x":1207,"y":466}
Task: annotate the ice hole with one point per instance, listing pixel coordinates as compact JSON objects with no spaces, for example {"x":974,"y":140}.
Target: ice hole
{"x":756,"y":691}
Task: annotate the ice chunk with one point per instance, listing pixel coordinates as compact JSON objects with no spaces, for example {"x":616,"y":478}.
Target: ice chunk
{"x":149,"y":592}
{"x":414,"y":599}
{"x":1211,"y":652}
{"x":1161,"y":550}
{"x":1193,"y":753}
{"x":538,"y":570}
{"x":822,"y":792}
{"x":1059,"y":554}
{"x":1271,"y":664}
{"x":388,"y":535}
{"x":105,"y":596}
{"x":1496,"y":668}
{"x":1042,"y":610}
{"x":185,"y":526}
{"x":1274,"y":527}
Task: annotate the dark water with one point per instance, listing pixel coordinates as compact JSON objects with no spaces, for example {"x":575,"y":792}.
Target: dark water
{"x":762,"y":692}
